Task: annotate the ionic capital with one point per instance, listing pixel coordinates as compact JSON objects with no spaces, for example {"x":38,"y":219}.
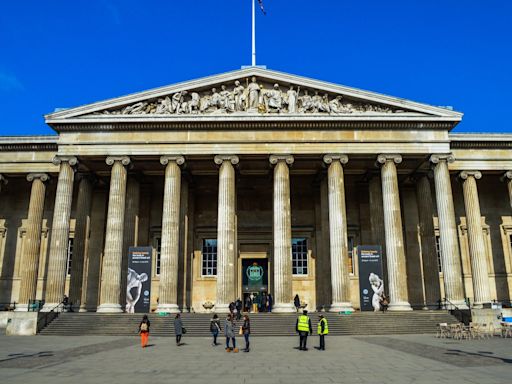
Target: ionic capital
{"x":165,"y":159}
{"x":41,"y":176}
{"x":219,"y":159}
{"x":385,"y":157}
{"x":330,"y":157}
{"x":110,"y":160}
{"x":274,"y":159}
{"x":464,"y":175}
{"x":437,"y":158}
{"x":507,"y":175}
{"x":71,"y":160}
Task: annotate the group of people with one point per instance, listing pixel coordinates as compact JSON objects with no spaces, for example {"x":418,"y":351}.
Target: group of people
{"x":258,"y":303}
{"x":302,"y":326}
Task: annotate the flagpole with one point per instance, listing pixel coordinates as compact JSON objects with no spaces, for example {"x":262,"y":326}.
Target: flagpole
{"x":253,"y":35}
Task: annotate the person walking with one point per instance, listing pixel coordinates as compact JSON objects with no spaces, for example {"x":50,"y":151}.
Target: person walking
{"x":239,"y":307}
{"x":303,"y":328}
{"x":144,"y":331}
{"x":296,"y":302}
{"x":323,"y":329}
{"x":229,"y":331}
{"x":178,"y":329}
{"x":246,"y":330}
{"x":215,"y":328}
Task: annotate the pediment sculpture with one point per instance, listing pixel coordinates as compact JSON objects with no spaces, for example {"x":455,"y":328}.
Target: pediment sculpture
{"x":254,"y":98}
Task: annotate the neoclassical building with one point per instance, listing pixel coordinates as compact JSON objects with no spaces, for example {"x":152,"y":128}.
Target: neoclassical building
{"x":255,"y":167}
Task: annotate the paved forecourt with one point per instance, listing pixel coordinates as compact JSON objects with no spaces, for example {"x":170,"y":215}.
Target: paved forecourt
{"x":380,"y":359}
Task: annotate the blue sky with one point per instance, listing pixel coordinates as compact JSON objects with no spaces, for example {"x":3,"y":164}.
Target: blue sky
{"x":62,"y":53}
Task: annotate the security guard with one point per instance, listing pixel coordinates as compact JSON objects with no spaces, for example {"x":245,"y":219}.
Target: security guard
{"x":323,"y":329}
{"x":304,"y":328}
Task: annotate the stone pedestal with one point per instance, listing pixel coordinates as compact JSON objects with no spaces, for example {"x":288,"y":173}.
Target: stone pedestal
{"x":169,"y":254}
{"x":226,"y":233}
{"x":57,"y":259}
{"x":283,"y":297}
{"x":22,"y":324}
{"x":478,"y":255}
{"x":448,"y":239}
{"x":340,"y":281}
{"x":31,"y":249}
{"x":112,"y":256}
{"x":395,"y":254}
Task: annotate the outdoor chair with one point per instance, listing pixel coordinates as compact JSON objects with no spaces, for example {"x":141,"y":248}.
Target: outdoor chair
{"x":443,"y":331}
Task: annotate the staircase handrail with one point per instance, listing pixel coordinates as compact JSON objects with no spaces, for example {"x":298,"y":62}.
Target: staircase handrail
{"x":8,"y":306}
{"x":48,"y":317}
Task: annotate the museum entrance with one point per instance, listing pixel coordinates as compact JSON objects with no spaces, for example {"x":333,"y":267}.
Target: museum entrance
{"x":254,"y":278}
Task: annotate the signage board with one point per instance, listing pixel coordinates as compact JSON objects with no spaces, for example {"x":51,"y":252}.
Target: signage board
{"x":138,"y":282}
{"x":371,"y":282}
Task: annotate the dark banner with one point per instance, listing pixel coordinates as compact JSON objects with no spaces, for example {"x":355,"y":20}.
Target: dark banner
{"x":371,"y":283}
{"x":254,"y":275}
{"x":138,"y":283}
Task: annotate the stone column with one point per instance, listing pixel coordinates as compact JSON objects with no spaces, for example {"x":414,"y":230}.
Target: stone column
{"x":508,"y":177}
{"x":58,"y":255}
{"x":82,"y":227}
{"x":169,"y":255}
{"x":226,"y":233}
{"x":428,"y":242}
{"x":3,"y":181}
{"x":112,"y":256}
{"x":448,"y":239}
{"x":478,"y":254}
{"x":395,"y":254}
{"x":340,"y":282}
{"x":377,"y":219}
{"x":283,"y":296}
{"x":32,"y":246}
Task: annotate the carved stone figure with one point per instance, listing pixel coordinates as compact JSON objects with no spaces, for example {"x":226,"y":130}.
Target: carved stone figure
{"x":254,"y":95}
{"x":306,"y":102}
{"x":164,"y":106}
{"x":335,"y":105}
{"x":240,"y":96}
{"x":274,"y":99}
{"x":192,"y":106}
{"x":176,"y":101}
{"x":215,"y":99}
{"x":135,"y":109}
{"x":291,"y":96}
{"x":227,"y":100}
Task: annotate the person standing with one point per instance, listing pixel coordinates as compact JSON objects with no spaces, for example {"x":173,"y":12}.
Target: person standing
{"x":246,"y":330}
{"x":215,"y":329}
{"x":304,"y":328}
{"x":229,"y":331}
{"x":296,"y":302}
{"x":248,"y":303}
{"x":178,"y":329}
{"x":269,"y":299}
{"x":323,"y":329}
{"x":144,"y":331}
{"x":239,"y":307}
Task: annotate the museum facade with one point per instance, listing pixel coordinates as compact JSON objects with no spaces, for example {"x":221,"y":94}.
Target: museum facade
{"x":255,"y":172}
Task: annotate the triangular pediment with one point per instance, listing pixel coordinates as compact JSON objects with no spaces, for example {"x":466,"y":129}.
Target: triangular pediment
{"x":252,"y":93}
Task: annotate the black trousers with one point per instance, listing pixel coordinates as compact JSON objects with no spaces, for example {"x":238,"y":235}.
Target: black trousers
{"x":322,"y":342}
{"x":178,"y":339}
{"x":303,"y":339}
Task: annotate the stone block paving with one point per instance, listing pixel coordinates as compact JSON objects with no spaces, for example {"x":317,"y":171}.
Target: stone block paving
{"x":414,"y":359}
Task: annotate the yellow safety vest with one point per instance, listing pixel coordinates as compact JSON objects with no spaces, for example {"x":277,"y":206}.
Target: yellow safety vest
{"x":326,"y":327}
{"x":303,"y":323}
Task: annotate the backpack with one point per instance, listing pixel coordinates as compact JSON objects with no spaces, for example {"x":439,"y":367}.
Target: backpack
{"x":144,"y":327}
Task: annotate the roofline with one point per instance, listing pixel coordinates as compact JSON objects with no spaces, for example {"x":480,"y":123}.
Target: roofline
{"x":481,"y":136}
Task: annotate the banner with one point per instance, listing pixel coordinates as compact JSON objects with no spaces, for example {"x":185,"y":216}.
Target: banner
{"x":254,"y":275}
{"x":138,"y":282}
{"x":371,"y":282}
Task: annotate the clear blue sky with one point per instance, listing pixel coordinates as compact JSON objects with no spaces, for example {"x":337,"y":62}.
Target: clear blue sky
{"x":63,"y":53}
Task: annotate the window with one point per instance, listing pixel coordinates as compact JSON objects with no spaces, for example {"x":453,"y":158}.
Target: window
{"x":158,"y":255}
{"x":350,"y":254}
{"x":70,"y":256}
{"x":438,"y":252}
{"x":300,"y":256}
{"x":209,"y":257}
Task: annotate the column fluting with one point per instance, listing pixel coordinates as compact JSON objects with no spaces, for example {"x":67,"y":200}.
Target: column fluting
{"x":112,"y":256}
{"x":32,"y":244}
{"x":478,"y":254}
{"x":226,"y":232}
{"x":508,"y":178}
{"x":395,"y":253}
{"x":57,"y":258}
{"x":340,"y":282}
{"x":448,"y":236}
{"x":169,"y":254}
{"x":283,"y":296}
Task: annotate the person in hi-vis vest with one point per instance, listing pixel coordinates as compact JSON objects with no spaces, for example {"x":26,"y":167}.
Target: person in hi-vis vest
{"x":323,"y":329}
{"x":304,"y":328}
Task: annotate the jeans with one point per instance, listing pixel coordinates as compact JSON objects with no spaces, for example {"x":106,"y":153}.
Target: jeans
{"x":215,"y":334}
{"x":303,"y":340}
{"x":322,"y":342}
{"x":232,"y":340}
{"x":246,"y":337}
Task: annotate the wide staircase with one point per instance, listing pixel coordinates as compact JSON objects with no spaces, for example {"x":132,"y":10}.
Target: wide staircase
{"x":262,"y":324}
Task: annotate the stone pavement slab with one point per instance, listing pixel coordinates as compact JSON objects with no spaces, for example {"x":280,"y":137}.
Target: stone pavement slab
{"x":383,"y":359}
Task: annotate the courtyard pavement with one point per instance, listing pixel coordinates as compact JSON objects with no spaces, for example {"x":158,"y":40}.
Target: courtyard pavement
{"x":414,"y":359}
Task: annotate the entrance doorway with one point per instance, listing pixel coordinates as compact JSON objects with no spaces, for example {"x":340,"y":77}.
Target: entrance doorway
{"x":254,"y":276}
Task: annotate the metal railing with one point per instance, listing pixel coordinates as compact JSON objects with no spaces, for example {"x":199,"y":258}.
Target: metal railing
{"x":8,"y":306}
{"x":46,"y":318}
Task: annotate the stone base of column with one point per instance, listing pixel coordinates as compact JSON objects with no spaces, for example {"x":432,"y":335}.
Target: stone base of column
{"x":56,"y":307}
{"x":168,"y":308}
{"x":83,"y":309}
{"x":109,"y":308}
{"x":341,"y":307}
{"x":400,"y":306}
{"x":283,"y":308}
{"x":21,"y":308}
{"x":220,"y":308}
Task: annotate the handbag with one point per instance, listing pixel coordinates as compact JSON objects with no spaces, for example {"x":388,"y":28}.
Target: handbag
{"x":241,"y":331}
{"x":183,"y":330}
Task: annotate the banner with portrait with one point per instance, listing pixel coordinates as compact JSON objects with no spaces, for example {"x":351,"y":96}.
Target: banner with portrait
{"x":371,"y":281}
{"x":138,"y":282}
